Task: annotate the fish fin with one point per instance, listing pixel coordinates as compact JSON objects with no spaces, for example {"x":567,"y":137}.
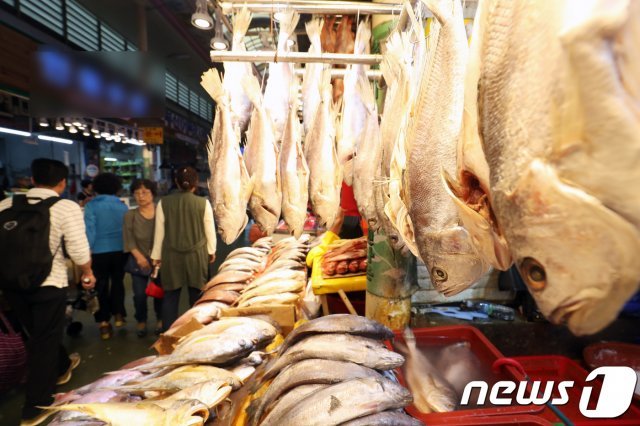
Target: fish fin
{"x":241,"y":22}
{"x":325,"y":86}
{"x":475,"y":213}
{"x":251,"y":87}
{"x":212,"y":84}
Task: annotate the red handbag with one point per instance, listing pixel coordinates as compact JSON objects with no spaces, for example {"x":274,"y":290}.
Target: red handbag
{"x":13,"y":356}
{"x":154,"y":290}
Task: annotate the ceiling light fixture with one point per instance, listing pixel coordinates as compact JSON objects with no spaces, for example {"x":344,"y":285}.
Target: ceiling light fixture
{"x":67,"y":123}
{"x":43,"y":122}
{"x":14,"y":132}
{"x":86,"y":132}
{"x":218,"y":42}
{"x":76,"y":122}
{"x":54,"y":139}
{"x":73,"y":129}
{"x":201,"y":18}
{"x":59,"y":125}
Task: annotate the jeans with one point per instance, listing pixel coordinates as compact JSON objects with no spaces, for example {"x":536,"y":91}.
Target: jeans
{"x":42,"y":315}
{"x":109,"y":269}
{"x":170,"y":305}
{"x":139,"y":284}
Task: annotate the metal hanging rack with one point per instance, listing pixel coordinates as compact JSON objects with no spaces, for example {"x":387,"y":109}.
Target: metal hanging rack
{"x":295,"y":57}
{"x":341,"y":72}
{"x":319,"y":7}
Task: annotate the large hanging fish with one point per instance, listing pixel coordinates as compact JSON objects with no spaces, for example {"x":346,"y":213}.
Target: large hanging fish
{"x":261,"y":158}
{"x":444,"y":245}
{"x":234,"y":72}
{"x":312,"y":75}
{"x":354,"y":112}
{"x":294,"y":171}
{"x":558,"y":113}
{"x":276,"y":95}
{"x":229,"y":186}
{"x":325,"y":176}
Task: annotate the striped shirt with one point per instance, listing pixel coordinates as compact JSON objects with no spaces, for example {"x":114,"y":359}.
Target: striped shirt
{"x":67,"y":222}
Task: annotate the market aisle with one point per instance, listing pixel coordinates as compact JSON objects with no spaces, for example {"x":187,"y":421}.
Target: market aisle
{"x":99,"y":356}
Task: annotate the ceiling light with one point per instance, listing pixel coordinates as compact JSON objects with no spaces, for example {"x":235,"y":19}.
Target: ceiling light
{"x":218,"y":42}
{"x":76,"y":122}
{"x":86,"y":132}
{"x":117,"y":138}
{"x":97,"y":135}
{"x":94,"y":128}
{"x":54,"y":139}
{"x":72,"y":129}
{"x":59,"y":125}
{"x":14,"y":132}
{"x":43,"y":122}
{"x":110,"y":159}
{"x":67,"y":123}
{"x":121,"y":132}
{"x":201,"y":18}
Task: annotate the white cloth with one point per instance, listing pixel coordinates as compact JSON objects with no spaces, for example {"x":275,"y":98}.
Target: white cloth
{"x":209,"y":231}
{"x":67,"y":222}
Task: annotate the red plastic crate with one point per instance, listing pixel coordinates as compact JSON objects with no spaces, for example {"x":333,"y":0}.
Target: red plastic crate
{"x":555,"y":368}
{"x":487,"y":354}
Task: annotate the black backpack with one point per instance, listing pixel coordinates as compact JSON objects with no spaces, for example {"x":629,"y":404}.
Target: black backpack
{"x":25,"y":256}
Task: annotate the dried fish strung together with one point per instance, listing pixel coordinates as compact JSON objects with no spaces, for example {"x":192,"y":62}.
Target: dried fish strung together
{"x":181,"y":388}
{"x":333,"y":370}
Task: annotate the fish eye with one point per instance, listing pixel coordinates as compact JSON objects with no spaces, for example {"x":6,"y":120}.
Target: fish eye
{"x":439,"y":275}
{"x":533,"y":273}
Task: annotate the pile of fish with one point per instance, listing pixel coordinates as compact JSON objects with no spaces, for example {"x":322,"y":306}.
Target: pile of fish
{"x":181,"y":388}
{"x":333,"y":371}
{"x":345,"y":257}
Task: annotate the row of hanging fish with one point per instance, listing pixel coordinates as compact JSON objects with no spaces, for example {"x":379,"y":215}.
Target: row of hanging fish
{"x":286,"y":164}
{"x":522,"y":149}
{"x":329,"y":371}
{"x":186,"y":387}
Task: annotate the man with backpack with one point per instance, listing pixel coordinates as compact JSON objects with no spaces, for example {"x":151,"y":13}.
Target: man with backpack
{"x":37,"y":230}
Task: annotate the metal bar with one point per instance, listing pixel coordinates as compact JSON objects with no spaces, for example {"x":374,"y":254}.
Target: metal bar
{"x":341,"y":72}
{"x":296,"y":57}
{"x":317,"y":7}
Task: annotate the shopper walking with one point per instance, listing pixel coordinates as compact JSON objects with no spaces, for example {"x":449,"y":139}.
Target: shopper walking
{"x":87,"y":193}
{"x":184,"y":243}
{"x":138,"y":241}
{"x":104,"y":216}
{"x":41,"y":309}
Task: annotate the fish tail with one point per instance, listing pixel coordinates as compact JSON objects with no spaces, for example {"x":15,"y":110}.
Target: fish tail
{"x":363,"y":36}
{"x":314,"y":29}
{"x":251,"y":86}
{"x":241,"y":22}
{"x":364,"y":89}
{"x":409,"y":338}
{"x":212,"y":83}
{"x":325,"y":85}
{"x":288,"y":26}
{"x":439,"y":9}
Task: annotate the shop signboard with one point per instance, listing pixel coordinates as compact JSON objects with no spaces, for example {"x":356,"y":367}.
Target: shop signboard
{"x":153,"y":135}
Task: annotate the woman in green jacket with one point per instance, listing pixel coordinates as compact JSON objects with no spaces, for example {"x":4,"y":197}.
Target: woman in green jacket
{"x":184,"y":243}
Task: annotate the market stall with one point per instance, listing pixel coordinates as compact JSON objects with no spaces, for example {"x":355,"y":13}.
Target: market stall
{"x":465,"y":161}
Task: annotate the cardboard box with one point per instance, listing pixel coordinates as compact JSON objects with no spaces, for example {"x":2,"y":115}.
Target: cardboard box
{"x":284,"y":315}
{"x":166,"y":344}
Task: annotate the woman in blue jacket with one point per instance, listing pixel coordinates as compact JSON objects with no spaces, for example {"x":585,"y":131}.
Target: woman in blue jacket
{"x":104,"y":216}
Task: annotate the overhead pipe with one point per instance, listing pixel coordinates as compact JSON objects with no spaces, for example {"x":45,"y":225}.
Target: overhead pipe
{"x":341,"y":72}
{"x":295,"y":57}
{"x":316,"y":7}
